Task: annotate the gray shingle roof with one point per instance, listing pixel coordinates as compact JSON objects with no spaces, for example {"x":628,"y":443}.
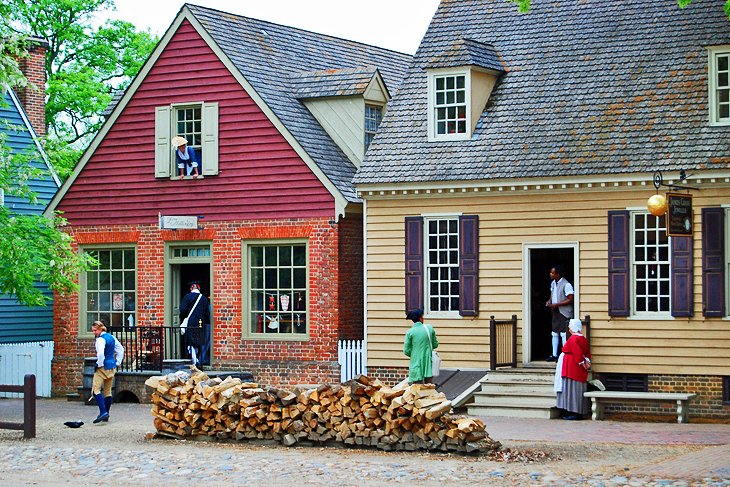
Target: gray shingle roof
{"x":332,"y":82}
{"x":269,"y":55}
{"x":593,"y":88}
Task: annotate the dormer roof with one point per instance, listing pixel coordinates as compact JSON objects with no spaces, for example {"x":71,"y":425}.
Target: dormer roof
{"x":467,"y":52}
{"x":333,"y":82}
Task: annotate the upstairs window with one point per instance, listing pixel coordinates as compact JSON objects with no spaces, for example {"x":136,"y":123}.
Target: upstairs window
{"x":198,"y":124}
{"x":373,"y":116}
{"x":719,"y":85}
{"x":449,"y":105}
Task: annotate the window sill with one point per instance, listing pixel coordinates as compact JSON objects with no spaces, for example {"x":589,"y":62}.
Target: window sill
{"x":275,"y":338}
{"x":443,"y":315}
{"x":652,"y":317}
{"x":179,"y":178}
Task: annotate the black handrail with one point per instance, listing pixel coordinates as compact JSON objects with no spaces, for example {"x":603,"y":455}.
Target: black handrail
{"x":146,"y":347}
{"x":502,"y":354}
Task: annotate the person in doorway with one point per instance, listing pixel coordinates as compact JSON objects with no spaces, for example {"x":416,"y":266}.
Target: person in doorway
{"x":420,"y":341}
{"x":193,"y":318}
{"x":109,"y":356}
{"x":576,"y":359}
{"x":561,"y":304}
{"x":187,"y":160}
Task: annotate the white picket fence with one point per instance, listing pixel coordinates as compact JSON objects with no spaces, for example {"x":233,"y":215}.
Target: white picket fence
{"x":18,"y":359}
{"x":351,"y":357}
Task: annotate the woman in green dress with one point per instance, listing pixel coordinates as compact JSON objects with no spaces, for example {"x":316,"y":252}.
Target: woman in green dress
{"x":419,"y":343}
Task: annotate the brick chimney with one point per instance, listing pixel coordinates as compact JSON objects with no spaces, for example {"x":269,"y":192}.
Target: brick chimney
{"x":33,"y":98}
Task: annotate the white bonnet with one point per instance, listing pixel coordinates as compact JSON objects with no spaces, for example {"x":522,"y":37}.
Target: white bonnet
{"x":575,"y":325}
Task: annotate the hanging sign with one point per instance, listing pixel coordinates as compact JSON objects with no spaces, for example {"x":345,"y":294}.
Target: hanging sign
{"x":177,"y":222}
{"x":679,"y":215}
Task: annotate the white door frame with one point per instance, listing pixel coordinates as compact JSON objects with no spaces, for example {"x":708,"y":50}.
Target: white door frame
{"x":527,"y":278}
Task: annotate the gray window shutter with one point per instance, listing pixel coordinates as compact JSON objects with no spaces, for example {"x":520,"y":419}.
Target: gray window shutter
{"x":469,"y":265}
{"x":163,"y":151}
{"x":210,"y":139}
{"x":414,"y":263}
{"x":713,"y":262}
{"x":618,"y":263}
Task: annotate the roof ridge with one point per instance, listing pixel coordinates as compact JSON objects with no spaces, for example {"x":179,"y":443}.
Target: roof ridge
{"x":299,"y":29}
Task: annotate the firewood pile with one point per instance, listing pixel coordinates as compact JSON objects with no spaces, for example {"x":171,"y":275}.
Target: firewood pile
{"x":360,"y":412}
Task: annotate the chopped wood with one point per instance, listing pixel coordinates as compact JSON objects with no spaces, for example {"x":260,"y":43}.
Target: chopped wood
{"x":361,"y":412}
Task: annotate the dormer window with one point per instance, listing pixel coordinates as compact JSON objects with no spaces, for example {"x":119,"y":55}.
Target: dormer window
{"x":450,"y":104}
{"x":460,"y":81}
{"x":373,"y":116}
{"x":719,"y":85}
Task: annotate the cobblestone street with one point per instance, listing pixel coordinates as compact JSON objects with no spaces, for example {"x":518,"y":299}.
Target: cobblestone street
{"x":605,"y":453}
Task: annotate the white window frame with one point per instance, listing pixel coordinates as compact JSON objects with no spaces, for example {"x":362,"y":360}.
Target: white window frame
{"x":633,"y":263}
{"x":433,"y":136}
{"x":246,"y":330}
{"x":84,"y":329}
{"x":166,"y":129}
{"x":452,"y":313}
{"x":714,"y":53}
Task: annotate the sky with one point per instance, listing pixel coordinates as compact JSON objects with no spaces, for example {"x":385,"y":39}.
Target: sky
{"x":394,"y":24}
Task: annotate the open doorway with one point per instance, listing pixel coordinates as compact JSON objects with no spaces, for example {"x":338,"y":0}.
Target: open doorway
{"x":537,"y":324}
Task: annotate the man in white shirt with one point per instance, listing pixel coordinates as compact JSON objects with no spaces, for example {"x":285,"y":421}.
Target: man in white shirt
{"x":561,"y":304}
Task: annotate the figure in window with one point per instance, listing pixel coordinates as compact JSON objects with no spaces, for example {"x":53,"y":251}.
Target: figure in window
{"x":187,"y":161}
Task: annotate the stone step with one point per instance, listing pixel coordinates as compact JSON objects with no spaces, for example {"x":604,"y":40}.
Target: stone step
{"x":515,"y":390}
{"x":515,"y":401}
{"x":496,"y":411}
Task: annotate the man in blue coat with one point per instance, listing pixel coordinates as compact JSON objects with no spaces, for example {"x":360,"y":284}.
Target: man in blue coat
{"x":194,"y":322}
{"x":109,"y":356}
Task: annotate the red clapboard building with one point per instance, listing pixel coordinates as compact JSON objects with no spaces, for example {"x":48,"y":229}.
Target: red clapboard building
{"x":279,"y":119}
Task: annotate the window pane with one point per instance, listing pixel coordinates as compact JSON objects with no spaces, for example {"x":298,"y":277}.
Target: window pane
{"x":104,"y":280}
{"x":460,"y":82}
{"x":257,"y":278}
{"x":285,"y":278}
{"x":116,"y":259}
{"x":104,"y":259}
{"x":300,"y":278}
{"x":285,"y":255}
{"x":270,"y":256}
{"x":300,"y":258}
{"x":722,"y":63}
{"x":257,"y":256}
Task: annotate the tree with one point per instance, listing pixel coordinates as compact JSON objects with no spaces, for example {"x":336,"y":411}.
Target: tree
{"x":85,"y":66}
{"x":32,"y":248}
{"x":524,"y":5}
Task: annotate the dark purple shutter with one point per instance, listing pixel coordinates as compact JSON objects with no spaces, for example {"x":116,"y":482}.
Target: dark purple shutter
{"x":713,"y":268}
{"x":682,"y":296}
{"x":414,"y":263}
{"x":468,"y":265}
{"x":618,"y":263}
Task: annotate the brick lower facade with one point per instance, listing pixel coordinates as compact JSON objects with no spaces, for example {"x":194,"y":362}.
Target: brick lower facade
{"x":334,"y":301}
{"x":707,"y":404}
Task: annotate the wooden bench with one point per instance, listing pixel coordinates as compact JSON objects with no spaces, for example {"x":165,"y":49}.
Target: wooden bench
{"x":619,"y":396}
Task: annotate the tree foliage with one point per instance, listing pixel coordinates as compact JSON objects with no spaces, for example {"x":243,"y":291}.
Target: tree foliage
{"x":85,"y":65}
{"x":524,"y":5}
{"x":32,"y":248}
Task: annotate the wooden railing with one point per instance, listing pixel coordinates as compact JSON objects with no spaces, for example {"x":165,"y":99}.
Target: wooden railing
{"x":28,"y":391}
{"x":502,"y":342}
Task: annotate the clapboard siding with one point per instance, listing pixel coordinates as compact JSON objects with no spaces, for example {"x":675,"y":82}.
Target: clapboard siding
{"x":260,"y":174}
{"x":507,"y":221}
{"x":20,"y":323}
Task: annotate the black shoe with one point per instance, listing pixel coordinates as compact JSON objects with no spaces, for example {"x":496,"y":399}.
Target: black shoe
{"x":551,"y":358}
{"x":101,"y":417}
{"x":572,"y":417}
